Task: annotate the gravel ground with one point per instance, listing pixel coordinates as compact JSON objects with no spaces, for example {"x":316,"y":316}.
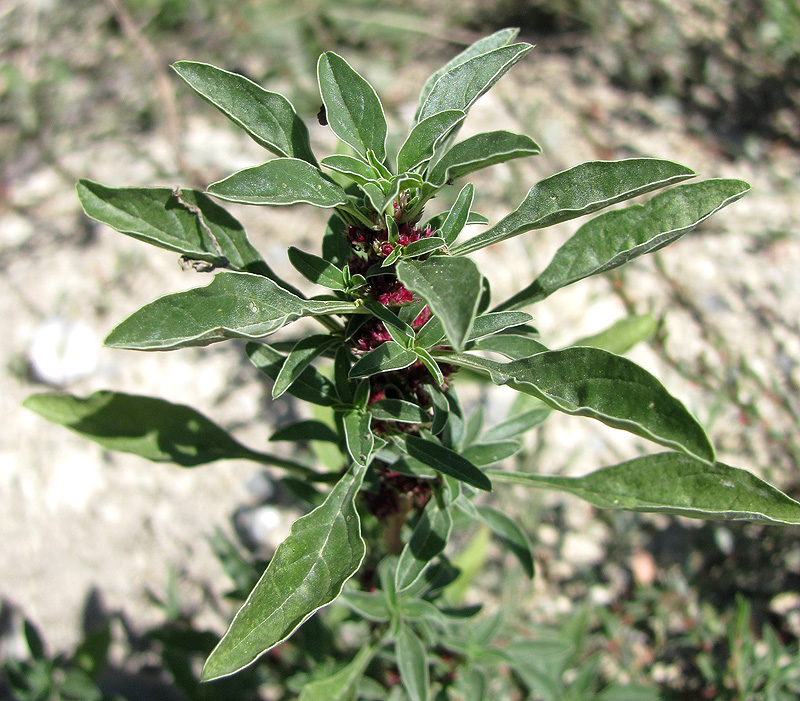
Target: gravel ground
{"x":74,"y":517}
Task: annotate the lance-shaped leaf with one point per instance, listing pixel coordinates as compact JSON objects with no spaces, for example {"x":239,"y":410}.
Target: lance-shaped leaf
{"x":423,"y":247}
{"x":516,"y":424}
{"x":305,"y":351}
{"x":483,"y":45}
{"x":462,"y":85}
{"x":603,"y":386}
{"x":398,"y":410}
{"x":316,"y":269}
{"x":385,"y":358}
{"x":622,"y":335}
{"x":418,"y":148}
{"x":434,"y":280}
{"x":355,"y":169}
{"x":352,"y":106}
{"x":151,"y":428}
{"x":433,"y":454}
{"x":514,"y":346}
{"x":481,"y":151}
{"x":324,"y":549}
{"x":458,"y":215}
{"x":266,"y":116}
{"x":358,"y":435}
{"x":617,"y":237}
{"x":184,"y":221}
{"x":233,"y":305}
{"x":343,"y":685}
{"x":373,"y":607}
{"x":495,"y":322}
{"x":281,"y":181}
{"x":580,"y":190}
{"x":482,"y":454}
{"x":311,"y":386}
{"x":428,"y":540}
{"x":673,"y":483}
{"x":412,"y":663}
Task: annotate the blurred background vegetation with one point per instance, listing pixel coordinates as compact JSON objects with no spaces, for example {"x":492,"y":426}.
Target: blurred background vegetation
{"x":671,"y":609}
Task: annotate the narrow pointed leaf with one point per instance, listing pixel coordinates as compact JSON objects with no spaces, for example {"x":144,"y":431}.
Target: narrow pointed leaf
{"x":482,"y":454}
{"x":281,"y":181}
{"x":151,"y":428}
{"x":305,"y":351}
{"x":434,"y":281}
{"x":495,"y":322}
{"x":335,"y":246}
{"x":509,"y":533}
{"x":617,"y":237}
{"x":423,"y":247}
{"x":482,"y":46}
{"x":514,"y":346}
{"x":427,"y":541}
{"x":233,"y":305}
{"x":430,"y":363}
{"x":673,"y":483}
{"x":324,"y":549}
{"x":184,"y":221}
{"x":580,"y":190}
{"x":448,"y":462}
{"x":373,"y":607}
{"x":603,"y":386}
{"x":355,"y":169}
{"x":516,"y":425}
{"x":343,"y":685}
{"x":359,"y":436}
{"x":458,"y":215}
{"x":398,"y":329}
{"x":622,"y":335}
{"x":413,"y":664}
{"x":431,"y":334}
{"x":481,"y":151}
{"x":316,"y":269}
{"x":419,"y":145}
{"x":398,"y":410}
{"x":310,"y":386}
{"x":353,"y":108}
{"x":385,"y":358}
{"x":463,"y":84}
{"x":267,"y":117}
{"x":306,"y":430}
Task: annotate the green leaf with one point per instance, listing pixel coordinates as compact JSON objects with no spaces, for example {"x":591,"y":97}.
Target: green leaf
{"x":385,"y":358}
{"x":398,"y":329}
{"x":603,"y":386}
{"x":434,"y":281}
{"x":398,"y":410}
{"x":493,"y":322}
{"x":151,"y":428}
{"x":359,"y":436}
{"x":355,"y":169}
{"x":413,"y":664}
{"x":440,"y":406}
{"x":433,"y":367}
{"x":281,"y":181}
{"x":427,"y":541}
{"x":431,"y":334}
{"x":448,"y":462}
{"x":324,"y":549}
{"x":422,"y":247}
{"x":316,"y":269}
{"x":463,"y":84}
{"x":373,"y":607}
{"x":306,"y":430}
{"x":184,"y":221}
{"x":304,"y":352}
{"x":580,"y":190}
{"x":617,"y":237}
{"x":516,"y":425}
{"x":341,"y":374}
{"x":481,"y":151}
{"x":510,"y":534}
{"x":310,"y":386}
{"x":353,"y":108}
{"x":458,"y":215}
{"x":233,"y":305}
{"x":482,"y":454}
{"x":511,"y":345}
{"x":335,"y":246}
{"x":483,"y":45}
{"x":622,"y":335}
{"x":418,"y":148}
{"x":266,"y":116}
{"x":674,"y":484}
{"x":343,"y":685}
